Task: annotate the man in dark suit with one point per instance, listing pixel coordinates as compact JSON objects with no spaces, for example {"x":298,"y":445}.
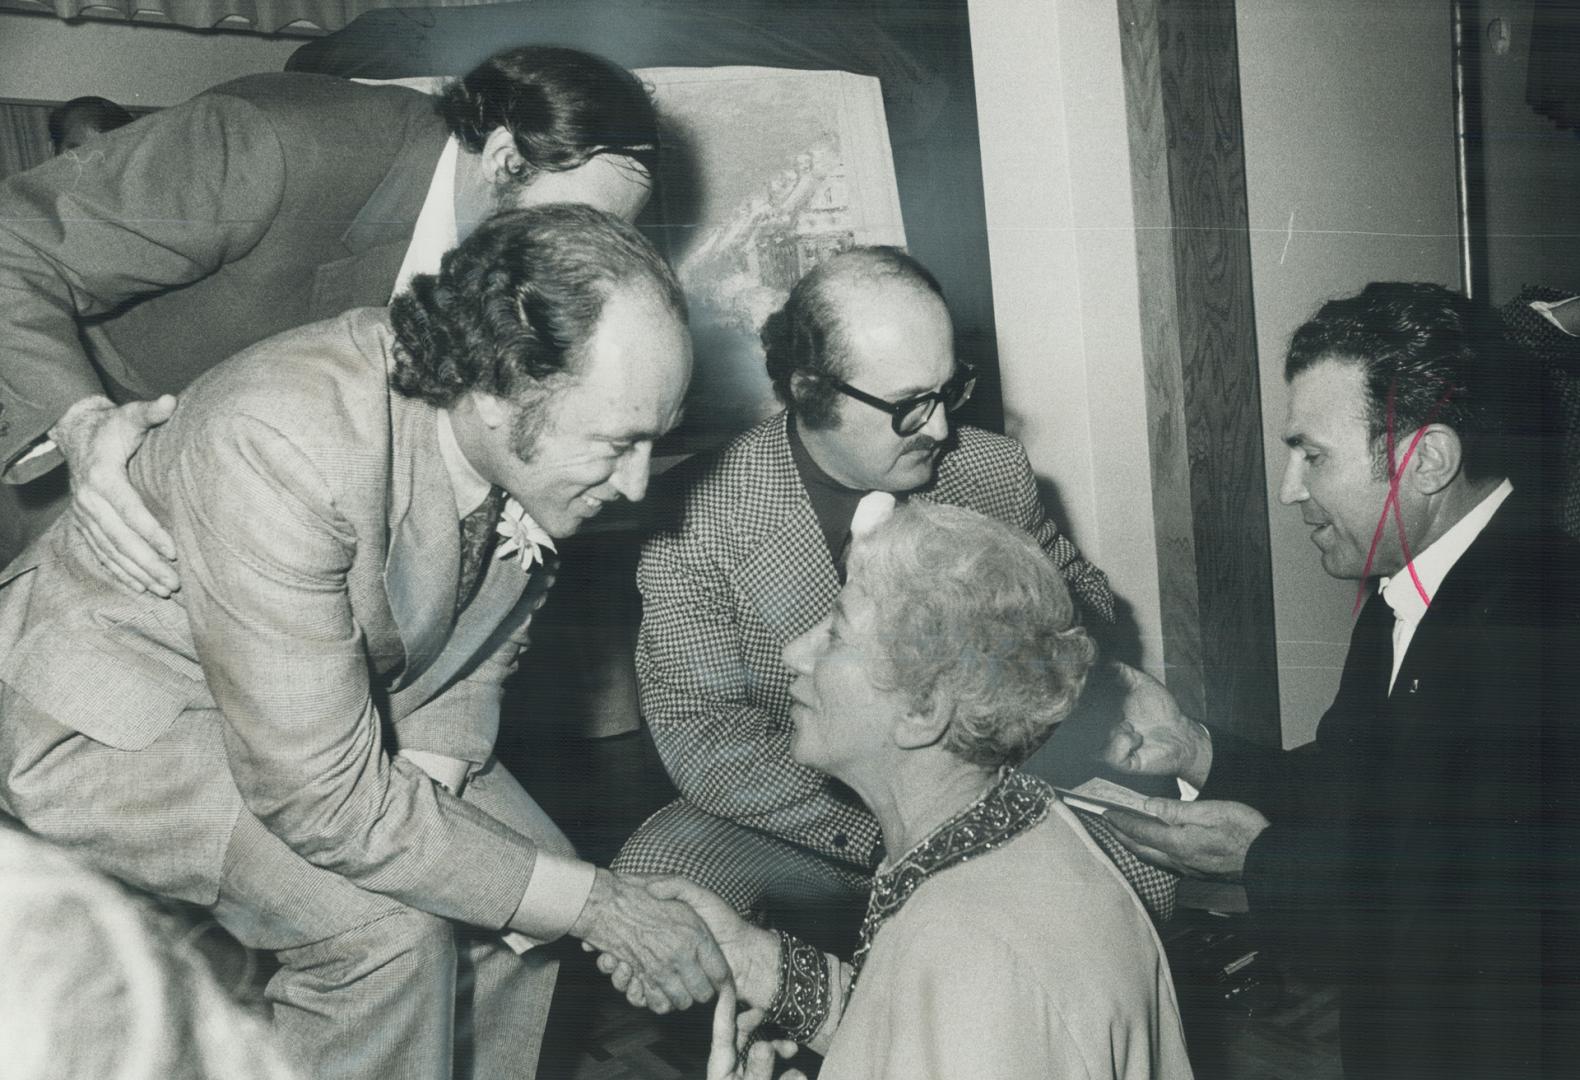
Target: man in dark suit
{"x":1424,"y":844}
{"x":256,"y":207}
{"x":749,"y":554}
{"x":301,"y":739}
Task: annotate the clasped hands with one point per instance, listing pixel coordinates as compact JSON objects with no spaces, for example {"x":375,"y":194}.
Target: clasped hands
{"x":1205,"y":838}
{"x":750,"y":956}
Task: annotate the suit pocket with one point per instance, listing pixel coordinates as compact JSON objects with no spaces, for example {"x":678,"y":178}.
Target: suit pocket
{"x":120,"y":686}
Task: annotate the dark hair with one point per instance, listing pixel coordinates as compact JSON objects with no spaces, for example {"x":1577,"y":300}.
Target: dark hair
{"x":564,"y":107}
{"x":517,"y":300}
{"x":1441,"y":356}
{"x":97,"y":114}
{"x":808,"y":335}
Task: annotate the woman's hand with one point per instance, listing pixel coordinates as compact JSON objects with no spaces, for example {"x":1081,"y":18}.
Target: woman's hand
{"x":733,"y":1055}
{"x":752,"y":952}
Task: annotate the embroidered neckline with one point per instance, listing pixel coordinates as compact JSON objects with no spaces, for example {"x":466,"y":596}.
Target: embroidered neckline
{"x":1009,"y":808}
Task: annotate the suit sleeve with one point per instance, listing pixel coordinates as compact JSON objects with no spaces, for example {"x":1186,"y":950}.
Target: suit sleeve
{"x":158,"y":204}
{"x":1088,"y":585}
{"x":265,"y":557}
{"x":726,"y":755}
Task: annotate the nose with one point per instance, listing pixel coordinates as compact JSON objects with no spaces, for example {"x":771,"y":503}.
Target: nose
{"x":632,"y":471}
{"x":1293,"y":488}
{"x":800,"y":653}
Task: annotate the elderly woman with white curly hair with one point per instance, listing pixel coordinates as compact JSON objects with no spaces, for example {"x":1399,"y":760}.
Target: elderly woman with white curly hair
{"x":999,"y":941}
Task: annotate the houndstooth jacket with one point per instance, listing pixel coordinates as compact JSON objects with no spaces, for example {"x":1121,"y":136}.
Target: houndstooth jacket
{"x":735,"y":570}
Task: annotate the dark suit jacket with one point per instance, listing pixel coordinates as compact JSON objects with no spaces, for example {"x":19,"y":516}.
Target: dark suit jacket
{"x":1425,"y":844}
{"x":737,"y":570}
{"x":315,"y":633}
{"x":258,"y":206}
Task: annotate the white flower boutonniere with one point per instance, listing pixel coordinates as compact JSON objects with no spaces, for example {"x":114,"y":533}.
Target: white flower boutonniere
{"x":521,"y":536}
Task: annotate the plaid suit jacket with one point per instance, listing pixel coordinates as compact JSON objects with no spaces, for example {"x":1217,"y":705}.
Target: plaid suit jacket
{"x":318,"y":545}
{"x":735,"y":570}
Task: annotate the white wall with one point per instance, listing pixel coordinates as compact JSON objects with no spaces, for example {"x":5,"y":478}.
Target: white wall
{"x":46,"y":59}
{"x":1349,"y":147}
{"x":1061,"y":229}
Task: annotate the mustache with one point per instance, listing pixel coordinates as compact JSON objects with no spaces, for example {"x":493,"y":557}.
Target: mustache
{"x":922,"y":442}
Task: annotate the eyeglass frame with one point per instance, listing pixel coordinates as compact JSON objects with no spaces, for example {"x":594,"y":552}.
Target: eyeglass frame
{"x":964,"y":373}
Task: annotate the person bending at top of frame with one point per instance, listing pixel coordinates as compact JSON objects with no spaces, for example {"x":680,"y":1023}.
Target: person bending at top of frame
{"x":258,"y":206}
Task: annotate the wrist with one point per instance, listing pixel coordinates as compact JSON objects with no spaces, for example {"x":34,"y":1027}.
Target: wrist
{"x":754,"y":960}
{"x":586,"y":924}
{"x":74,"y":419}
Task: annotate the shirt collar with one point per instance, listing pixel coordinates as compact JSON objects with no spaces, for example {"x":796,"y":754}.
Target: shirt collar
{"x":436,"y":231}
{"x":1433,"y":564}
{"x":466,"y":483}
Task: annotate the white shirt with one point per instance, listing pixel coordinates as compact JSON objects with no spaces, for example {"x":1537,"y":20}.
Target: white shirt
{"x":1431,"y":567}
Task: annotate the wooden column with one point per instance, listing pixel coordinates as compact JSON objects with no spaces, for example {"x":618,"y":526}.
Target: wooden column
{"x":1199,"y":343}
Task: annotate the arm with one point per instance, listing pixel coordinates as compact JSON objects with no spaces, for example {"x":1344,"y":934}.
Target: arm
{"x":266,"y":556}
{"x":726,"y":755}
{"x":1088,"y":585}
{"x":160,"y":204}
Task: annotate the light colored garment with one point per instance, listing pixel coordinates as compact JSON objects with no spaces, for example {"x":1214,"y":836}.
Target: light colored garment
{"x":1033,"y":961}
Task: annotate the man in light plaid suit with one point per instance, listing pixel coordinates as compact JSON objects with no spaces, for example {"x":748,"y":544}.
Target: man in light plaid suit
{"x":750,"y":555}
{"x":300,"y":740}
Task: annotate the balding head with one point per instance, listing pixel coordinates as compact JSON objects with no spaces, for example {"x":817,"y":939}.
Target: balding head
{"x":810,"y":335}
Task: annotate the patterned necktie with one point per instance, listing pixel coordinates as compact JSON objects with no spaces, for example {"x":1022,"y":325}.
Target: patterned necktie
{"x":478,"y":535}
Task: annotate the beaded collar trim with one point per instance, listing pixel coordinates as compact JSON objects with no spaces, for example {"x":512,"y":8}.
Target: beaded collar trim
{"x":1010,"y":807}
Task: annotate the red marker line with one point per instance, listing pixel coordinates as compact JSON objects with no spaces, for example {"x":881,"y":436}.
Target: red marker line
{"x":1392,"y":502}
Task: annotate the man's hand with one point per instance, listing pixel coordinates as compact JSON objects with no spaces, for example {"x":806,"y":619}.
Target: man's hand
{"x":1153,"y":738}
{"x":752,"y":952}
{"x":674,"y":960}
{"x":1204,"y":839}
{"x":732,"y":1055}
{"x":97,"y":439}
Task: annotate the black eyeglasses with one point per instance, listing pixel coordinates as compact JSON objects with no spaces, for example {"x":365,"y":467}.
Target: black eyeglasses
{"x":910,"y":414}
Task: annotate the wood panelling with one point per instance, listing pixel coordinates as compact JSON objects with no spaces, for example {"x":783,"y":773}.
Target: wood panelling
{"x":1199,"y":344}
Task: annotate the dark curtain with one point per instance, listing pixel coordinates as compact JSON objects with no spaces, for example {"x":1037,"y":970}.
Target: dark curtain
{"x":1553,"y":84}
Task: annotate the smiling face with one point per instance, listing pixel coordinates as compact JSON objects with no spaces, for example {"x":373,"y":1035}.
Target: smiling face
{"x":593,"y":442}
{"x":842,"y":719}
{"x":1331,"y":476}
{"x":900,"y":342}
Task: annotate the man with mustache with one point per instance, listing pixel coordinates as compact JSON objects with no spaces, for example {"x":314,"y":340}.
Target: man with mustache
{"x":863,"y":356}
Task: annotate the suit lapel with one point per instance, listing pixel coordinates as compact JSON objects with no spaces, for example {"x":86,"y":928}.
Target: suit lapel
{"x":789,"y":572}
{"x":425,"y":546}
{"x":377,"y":238}
{"x":1463,"y":604}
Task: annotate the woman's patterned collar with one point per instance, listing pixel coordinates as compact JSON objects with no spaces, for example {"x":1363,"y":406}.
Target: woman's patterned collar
{"x":1009,"y":808}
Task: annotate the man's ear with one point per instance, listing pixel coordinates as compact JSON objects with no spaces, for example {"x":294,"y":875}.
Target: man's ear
{"x":501,"y":162}
{"x":1438,"y":459}
{"x":918,"y":728}
{"x":493,"y":410}
{"x":800,"y":381}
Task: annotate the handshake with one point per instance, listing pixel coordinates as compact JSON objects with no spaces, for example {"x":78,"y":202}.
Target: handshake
{"x":667,"y":943}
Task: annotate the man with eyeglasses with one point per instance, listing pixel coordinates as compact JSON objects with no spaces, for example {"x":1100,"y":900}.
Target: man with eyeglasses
{"x":752,"y":556}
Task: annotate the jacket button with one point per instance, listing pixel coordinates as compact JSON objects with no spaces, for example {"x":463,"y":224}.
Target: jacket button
{"x":840,"y":839}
